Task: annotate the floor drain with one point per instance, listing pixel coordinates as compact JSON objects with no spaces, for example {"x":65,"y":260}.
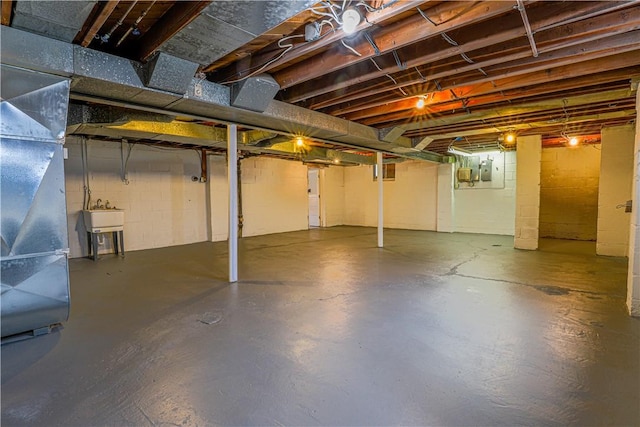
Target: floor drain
{"x":210,"y":318}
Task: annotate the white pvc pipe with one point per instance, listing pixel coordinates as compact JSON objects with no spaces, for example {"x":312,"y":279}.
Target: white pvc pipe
{"x":380,"y":200}
{"x":232,"y":177}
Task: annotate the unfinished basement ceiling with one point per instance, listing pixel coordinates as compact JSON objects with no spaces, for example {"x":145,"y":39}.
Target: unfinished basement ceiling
{"x":482,"y":68}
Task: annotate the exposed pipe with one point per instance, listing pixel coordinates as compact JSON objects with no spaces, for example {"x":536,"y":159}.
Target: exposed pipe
{"x":106,"y":37}
{"x":203,"y":165}
{"x":135,"y":24}
{"x":527,"y":27}
{"x":240,"y":216}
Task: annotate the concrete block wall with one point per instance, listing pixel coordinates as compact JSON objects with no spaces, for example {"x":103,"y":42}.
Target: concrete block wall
{"x":633,"y":278}
{"x":410,"y":201}
{"x":163,"y":207}
{"x":488,"y":210}
{"x":616,"y":170}
{"x":446,"y":200}
{"x":528,"y":158}
{"x":274,"y":196}
{"x":332,"y":198}
{"x":218,"y":194}
{"x":569,"y":179}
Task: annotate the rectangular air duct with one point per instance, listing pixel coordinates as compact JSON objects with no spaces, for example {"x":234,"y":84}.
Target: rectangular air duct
{"x":254,"y":93}
{"x":33,"y":220}
{"x":166,"y":72}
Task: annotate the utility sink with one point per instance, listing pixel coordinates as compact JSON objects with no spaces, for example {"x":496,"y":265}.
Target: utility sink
{"x":103,"y":220}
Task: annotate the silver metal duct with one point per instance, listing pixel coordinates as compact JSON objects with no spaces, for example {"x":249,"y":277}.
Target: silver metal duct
{"x":254,"y":93}
{"x":60,"y":19}
{"x":102,"y":78}
{"x":166,"y":72}
{"x":224,"y":26}
{"x":33,"y":220}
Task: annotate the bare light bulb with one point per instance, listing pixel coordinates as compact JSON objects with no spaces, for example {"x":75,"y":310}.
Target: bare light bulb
{"x":420,"y":103}
{"x":510,"y":137}
{"x":350,"y":20}
{"x":573,"y":141}
{"x":299,"y":142}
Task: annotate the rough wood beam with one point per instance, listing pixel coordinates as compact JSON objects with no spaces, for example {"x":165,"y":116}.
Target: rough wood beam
{"x":304,"y":49}
{"x":98,"y":22}
{"x":566,"y":78}
{"x":551,"y":116}
{"x":175,"y":19}
{"x":560,"y":36}
{"x":481,"y":103}
{"x":532,"y":107}
{"x":593,"y":62}
{"x":392,"y":37}
{"x":532,"y":125}
{"x":591,"y":44}
{"x":7,"y":7}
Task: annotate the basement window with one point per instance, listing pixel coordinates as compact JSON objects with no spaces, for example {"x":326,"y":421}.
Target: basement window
{"x":388,"y":172}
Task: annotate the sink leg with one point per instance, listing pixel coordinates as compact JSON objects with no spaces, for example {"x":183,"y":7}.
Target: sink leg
{"x":89,"y":243}
{"x":115,"y":241}
{"x":94,"y":238}
{"x":121,"y":233}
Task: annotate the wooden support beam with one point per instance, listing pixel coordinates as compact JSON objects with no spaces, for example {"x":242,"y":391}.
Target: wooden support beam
{"x":595,"y":62}
{"x":306,"y":49}
{"x":513,"y":110}
{"x":495,"y":66}
{"x":392,"y":37}
{"x":175,"y":19}
{"x":7,"y":8}
{"x":586,"y":84}
{"x":347,"y":81}
{"x":626,"y":114}
{"x":505,"y":90}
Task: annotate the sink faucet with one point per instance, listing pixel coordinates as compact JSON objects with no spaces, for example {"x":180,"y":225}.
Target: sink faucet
{"x":98,"y":205}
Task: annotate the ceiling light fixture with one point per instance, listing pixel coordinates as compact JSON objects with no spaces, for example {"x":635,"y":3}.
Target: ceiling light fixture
{"x":350,"y":20}
{"x":299,"y":141}
{"x":420,"y":103}
{"x":510,"y":137}
{"x":573,"y":141}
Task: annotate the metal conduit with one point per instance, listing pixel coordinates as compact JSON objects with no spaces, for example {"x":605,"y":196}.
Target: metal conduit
{"x":527,"y":28}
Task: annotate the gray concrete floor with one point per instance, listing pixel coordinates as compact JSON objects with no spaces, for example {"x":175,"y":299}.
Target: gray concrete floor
{"x":326,"y":329}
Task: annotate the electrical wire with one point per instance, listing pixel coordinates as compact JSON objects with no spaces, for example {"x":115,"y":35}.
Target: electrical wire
{"x":333,"y":14}
{"x":286,"y":48}
{"x":350,"y":48}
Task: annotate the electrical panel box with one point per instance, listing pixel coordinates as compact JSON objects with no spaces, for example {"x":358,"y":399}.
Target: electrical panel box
{"x":474,"y":164}
{"x":486,"y":167}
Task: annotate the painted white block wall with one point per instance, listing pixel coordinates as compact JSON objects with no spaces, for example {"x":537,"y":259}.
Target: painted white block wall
{"x":218,"y":188}
{"x":410,"y":202}
{"x":528,"y":156}
{"x":163,"y":207}
{"x":488,"y":210}
{"x":633,"y":278}
{"x":332,"y":198}
{"x":569,"y":178}
{"x":274,"y":196}
{"x":446,"y":200}
{"x":616,"y":178}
